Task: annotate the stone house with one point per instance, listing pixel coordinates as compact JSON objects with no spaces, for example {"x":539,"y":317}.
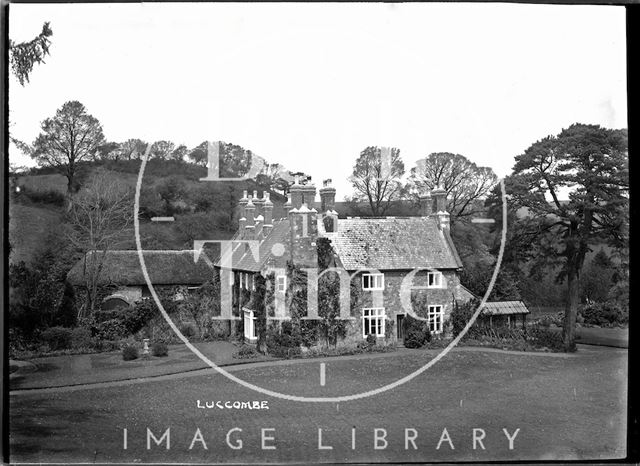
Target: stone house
{"x":379,"y":254}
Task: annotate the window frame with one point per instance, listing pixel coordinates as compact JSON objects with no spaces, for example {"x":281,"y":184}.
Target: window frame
{"x":435,"y":318}
{"x":282,"y":284}
{"x":372,"y":279}
{"x":377,"y":314}
{"x":440,"y":276}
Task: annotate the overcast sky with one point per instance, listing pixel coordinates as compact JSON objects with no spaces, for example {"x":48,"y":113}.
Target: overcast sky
{"x":310,"y":85}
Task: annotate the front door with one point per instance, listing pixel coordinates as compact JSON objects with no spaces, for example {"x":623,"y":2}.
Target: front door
{"x":400,"y":327}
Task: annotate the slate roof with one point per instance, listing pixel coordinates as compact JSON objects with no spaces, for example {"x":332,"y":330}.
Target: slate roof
{"x":243,"y":257}
{"x":163,"y":267}
{"x":393,"y":243}
{"x":504,"y":308}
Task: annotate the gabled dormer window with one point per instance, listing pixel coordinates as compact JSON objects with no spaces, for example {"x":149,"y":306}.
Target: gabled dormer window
{"x":435,"y":280}
{"x":373,"y":281}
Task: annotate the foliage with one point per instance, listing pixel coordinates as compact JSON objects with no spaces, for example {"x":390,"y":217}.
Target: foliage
{"x":597,"y":279}
{"x":416,"y":332}
{"x":66,"y":139}
{"x":129,"y":353}
{"x":331,"y":326}
{"x":465,"y":183}
{"x":283,"y":340}
{"x":24,"y":55}
{"x":81,"y":337}
{"x":39,"y":297}
{"x":160,"y":349}
{"x":132,"y":149}
{"x":171,"y":190}
{"x":234,"y":160}
{"x":544,"y":338}
{"x":136,"y":317}
{"x":161,"y":150}
{"x":187,"y":330}
{"x":591,"y":162}
{"x":57,"y":337}
{"x":198,"y":226}
{"x":111,"y":329}
{"x":371,"y":340}
{"x":376,"y":178}
{"x":246,"y":352}
{"x":151,"y":204}
{"x":604,"y":314}
{"x":461,"y":314}
{"x":49,"y":196}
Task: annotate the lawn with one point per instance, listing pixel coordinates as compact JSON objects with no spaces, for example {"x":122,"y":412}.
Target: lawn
{"x":566,"y":407}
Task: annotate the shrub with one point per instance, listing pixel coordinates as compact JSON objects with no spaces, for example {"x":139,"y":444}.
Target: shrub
{"x":545,"y":321}
{"x":215,"y":330}
{"x":604,"y":314}
{"x":81,"y":338}
{"x":159,"y":349}
{"x":57,"y":338}
{"x":246,"y":352}
{"x":545,"y":338}
{"x":461,"y":314}
{"x":188,"y":330}
{"x":129,"y":353}
{"x":49,"y":196}
{"x":416,"y":332}
{"x":371,"y":340}
{"x":112,"y":329}
{"x":136,"y":317}
{"x":107,"y":345}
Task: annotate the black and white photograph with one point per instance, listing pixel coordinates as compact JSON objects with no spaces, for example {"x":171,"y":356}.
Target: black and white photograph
{"x":300,"y":233}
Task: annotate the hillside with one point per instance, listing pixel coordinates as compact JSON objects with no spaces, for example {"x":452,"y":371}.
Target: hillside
{"x":206,"y":210}
{"x":29,"y":226}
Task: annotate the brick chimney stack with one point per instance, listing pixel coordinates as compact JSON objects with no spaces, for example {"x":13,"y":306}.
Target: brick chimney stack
{"x":259,"y":203}
{"x":288,"y":205}
{"x":296,"y":191}
{"x":268,"y":214}
{"x":327,"y":196}
{"x":309,"y":195}
{"x":250,"y":228}
{"x":440,"y":200}
{"x":243,"y":220}
{"x":439,"y":196}
{"x":426,"y":204}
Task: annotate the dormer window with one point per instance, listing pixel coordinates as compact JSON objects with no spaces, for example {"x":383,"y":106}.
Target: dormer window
{"x":373,"y":281}
{"x":435,"y":280}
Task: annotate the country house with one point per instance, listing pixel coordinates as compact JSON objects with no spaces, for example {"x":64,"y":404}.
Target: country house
{"x":379,"y":254}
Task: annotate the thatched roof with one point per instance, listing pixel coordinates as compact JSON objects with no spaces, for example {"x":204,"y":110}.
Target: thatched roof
{"x":163,"y":267}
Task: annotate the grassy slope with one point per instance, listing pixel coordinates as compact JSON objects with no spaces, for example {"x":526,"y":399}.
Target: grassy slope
{"x":28,"y":227}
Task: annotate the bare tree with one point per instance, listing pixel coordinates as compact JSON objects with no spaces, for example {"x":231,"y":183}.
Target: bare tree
{"x":465,"y":183}
{"x":97,"y":219}
{"x":377,"y":177}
